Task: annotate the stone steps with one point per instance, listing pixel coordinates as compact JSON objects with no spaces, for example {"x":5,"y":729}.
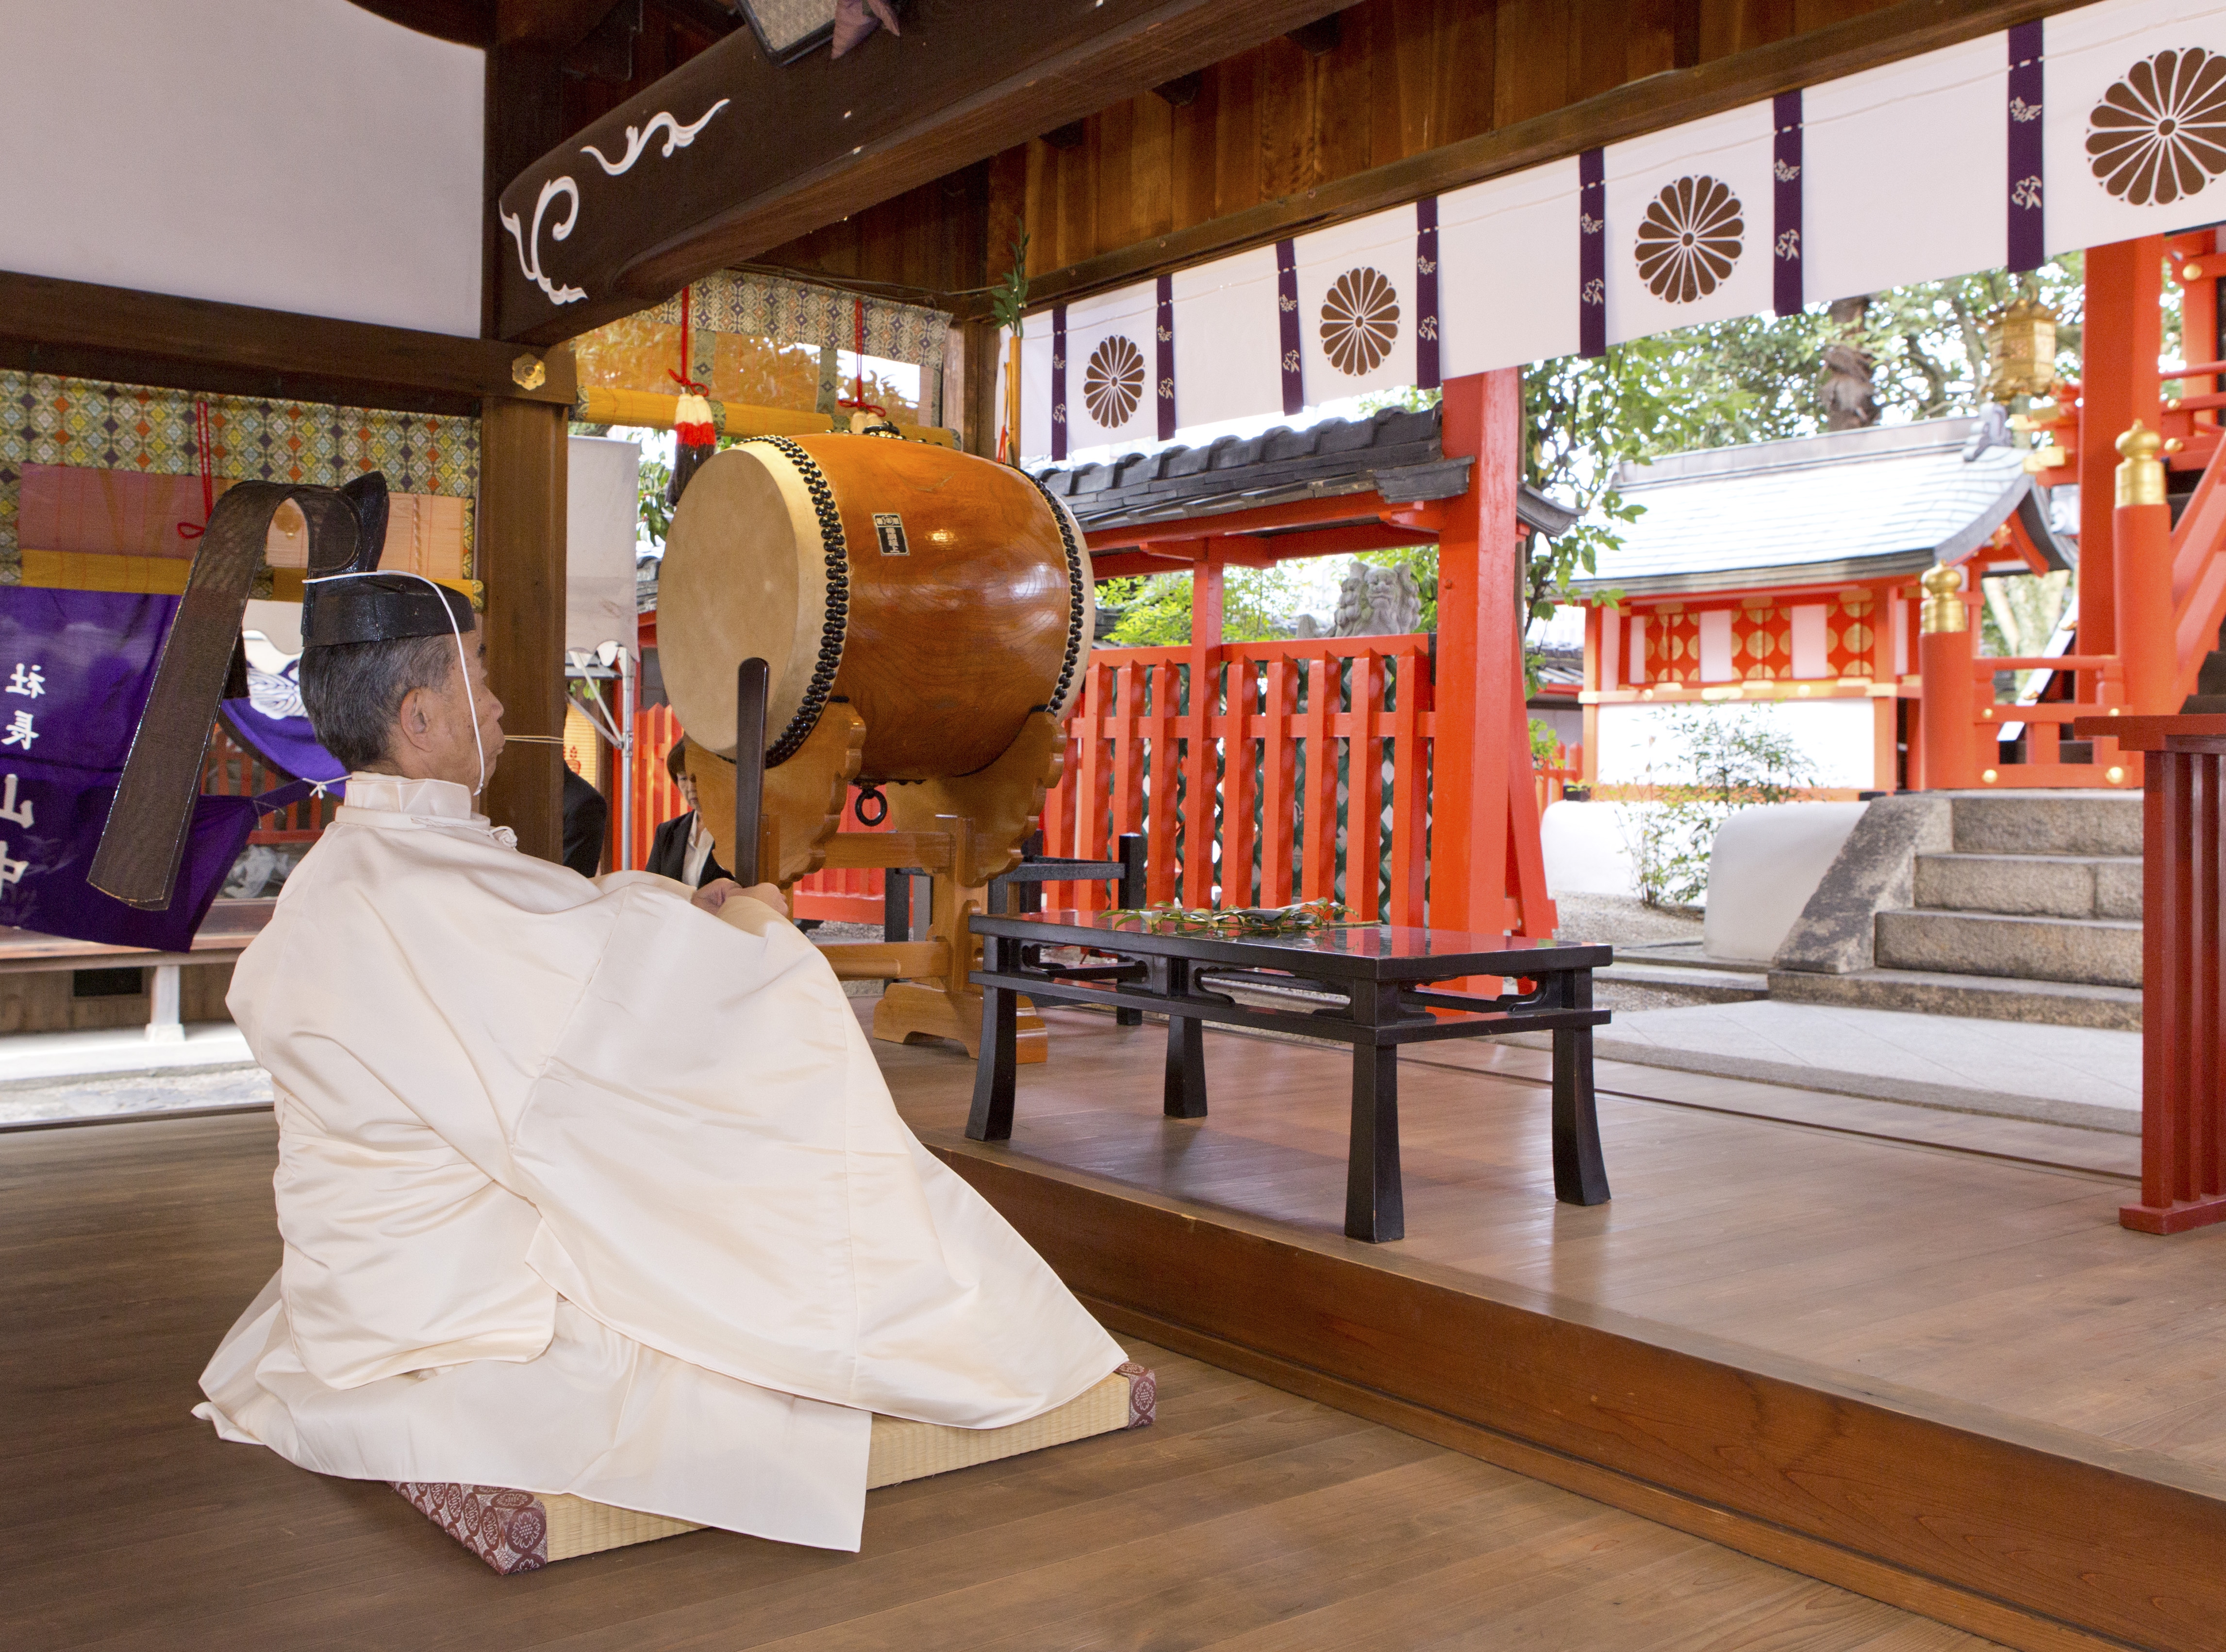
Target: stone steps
{"x":2007,"y":906}
{"x":2098,"y":951}
{"x":2048,"y":822}
{"x":1994,"y":998}
{"x":1710,"y":985}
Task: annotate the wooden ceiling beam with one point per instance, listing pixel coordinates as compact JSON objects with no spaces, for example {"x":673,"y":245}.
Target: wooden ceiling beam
{"x":558,"y":25}
{"x":800,"y":146}
{"x":1630,"y":110}
{"x":114,"y":333}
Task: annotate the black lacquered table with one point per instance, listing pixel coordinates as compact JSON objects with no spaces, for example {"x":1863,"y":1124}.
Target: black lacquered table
{"x":1384,"y":976}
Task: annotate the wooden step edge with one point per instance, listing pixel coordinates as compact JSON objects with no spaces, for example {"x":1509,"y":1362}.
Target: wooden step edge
{"x":1881,"y":1580}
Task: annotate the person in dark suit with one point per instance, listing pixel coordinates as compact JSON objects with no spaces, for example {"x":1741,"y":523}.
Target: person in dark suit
{"x":681,"y":848}
{"x":586,"y":818}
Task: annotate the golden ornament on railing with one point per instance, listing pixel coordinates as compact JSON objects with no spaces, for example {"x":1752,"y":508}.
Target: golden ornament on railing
{"x":1943,"y":600}
{"x":2021,"y":351}
{"x":2140,"y":473}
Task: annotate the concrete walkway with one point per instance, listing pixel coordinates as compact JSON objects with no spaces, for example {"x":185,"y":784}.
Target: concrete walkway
{"x":2059,"y":1075}
{"x":42,"y":1074}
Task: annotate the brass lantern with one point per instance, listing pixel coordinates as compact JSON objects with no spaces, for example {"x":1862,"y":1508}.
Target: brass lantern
{"x":2021,"y":351}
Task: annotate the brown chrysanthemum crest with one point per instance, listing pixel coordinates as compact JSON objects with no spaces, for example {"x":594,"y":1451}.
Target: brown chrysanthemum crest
{"x":2160,"y":133}
{"x":1113,"y":383}
{"x":1359,"y":320}
{"x":1692,"y":235}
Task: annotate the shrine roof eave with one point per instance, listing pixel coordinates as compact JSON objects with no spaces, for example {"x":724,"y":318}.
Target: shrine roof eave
{"x":1397,"y":455}
{"x":1842,"y":570}
{"x":1967,"y":546}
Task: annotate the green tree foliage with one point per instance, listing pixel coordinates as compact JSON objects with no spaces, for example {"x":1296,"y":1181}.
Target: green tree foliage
{"x":1257,"y":604}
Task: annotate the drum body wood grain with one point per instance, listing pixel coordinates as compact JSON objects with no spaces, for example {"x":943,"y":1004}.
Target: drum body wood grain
{"x":932,"y":590}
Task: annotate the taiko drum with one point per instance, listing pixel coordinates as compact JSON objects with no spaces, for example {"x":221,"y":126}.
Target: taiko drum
{"x":944,"y":597}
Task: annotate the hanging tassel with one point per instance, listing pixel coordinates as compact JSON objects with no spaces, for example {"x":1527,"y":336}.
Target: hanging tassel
{"x":697,"y":437}
{"x":692,"y":423}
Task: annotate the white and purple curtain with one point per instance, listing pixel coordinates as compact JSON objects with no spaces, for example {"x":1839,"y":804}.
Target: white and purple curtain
{"x":2087,"y":127}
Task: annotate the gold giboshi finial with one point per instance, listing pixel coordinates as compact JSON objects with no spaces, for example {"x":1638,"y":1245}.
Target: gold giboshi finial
{"x":2140,"y":473}
{"x":1943,"y":600}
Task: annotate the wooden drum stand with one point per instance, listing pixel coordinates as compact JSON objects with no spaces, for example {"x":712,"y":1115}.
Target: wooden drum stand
{"x":961,"y":832}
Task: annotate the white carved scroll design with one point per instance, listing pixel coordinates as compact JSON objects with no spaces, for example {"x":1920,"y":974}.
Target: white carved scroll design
{"x":676,"y":136}
{"x":529,"y":243}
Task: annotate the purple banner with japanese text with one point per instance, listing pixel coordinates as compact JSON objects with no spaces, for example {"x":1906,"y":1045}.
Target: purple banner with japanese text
{"x":75,"y":668}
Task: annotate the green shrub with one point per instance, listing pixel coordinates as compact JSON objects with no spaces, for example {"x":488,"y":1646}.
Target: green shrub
{"x":1718,"y":760}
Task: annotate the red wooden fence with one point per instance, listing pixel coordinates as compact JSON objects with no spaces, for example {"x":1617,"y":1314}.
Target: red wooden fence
{"x":1301,"y":773}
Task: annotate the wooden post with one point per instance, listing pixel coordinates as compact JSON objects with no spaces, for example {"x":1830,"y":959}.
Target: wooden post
{"x":2121,"y":332}
{"x":2141,"y":549}
{"x":519,"y":556}
{"x":1479,"y":684}
{"x":1943,"y":655}
{"x":1199,"y":781}
{"x":2183,"y":991}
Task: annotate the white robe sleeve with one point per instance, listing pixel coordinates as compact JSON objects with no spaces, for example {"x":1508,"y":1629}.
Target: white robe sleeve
{"x":721,"y":1175}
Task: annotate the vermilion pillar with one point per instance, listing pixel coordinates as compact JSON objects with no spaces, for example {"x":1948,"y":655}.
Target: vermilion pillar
{"x":1482,"y":736}
{"x":1943,"y":655}
{"x":2122,"y":334}
{"x":2141,"y":549}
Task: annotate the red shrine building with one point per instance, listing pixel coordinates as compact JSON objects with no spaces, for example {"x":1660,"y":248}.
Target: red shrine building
{"x":1786,"y":573}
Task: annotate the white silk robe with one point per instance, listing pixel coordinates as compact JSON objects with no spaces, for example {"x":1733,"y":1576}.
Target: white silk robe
{"x":583,"y":1190}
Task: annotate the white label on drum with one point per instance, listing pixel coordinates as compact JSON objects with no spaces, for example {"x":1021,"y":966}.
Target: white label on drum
{"x":889,"y":530}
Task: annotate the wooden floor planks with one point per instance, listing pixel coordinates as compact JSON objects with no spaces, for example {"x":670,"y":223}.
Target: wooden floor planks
{"x":1247,"y":1518}
{"x":1981,"y":1262}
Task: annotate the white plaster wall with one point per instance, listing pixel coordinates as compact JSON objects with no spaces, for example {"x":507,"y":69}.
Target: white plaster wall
{"x":1765,"y":863}
{"x":601,"y":505}
{"x":1836,"y":735}
{"x":1587,"y":848}
{"x":297,"y":155}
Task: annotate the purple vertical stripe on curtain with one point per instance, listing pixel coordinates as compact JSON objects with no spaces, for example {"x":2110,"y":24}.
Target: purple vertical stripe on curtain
{"x":1058,"y":381}
{"x":1286,"y":306}
{"x":2028,"y":224}
{"x":1786,"y":284}
{"x":1427,"y":374}
{"x":1592,"y":253}
{"x":1164,"y":330}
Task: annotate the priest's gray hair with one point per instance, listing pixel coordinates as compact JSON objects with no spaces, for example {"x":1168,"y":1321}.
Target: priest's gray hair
{"x":354,"y":691}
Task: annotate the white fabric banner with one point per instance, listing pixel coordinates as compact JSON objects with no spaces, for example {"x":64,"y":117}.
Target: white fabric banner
{"x":602,"y":504}
{"x":1883,"y":203}
{"x":1035,"y":434}
{"x":1111,"y":395}
{"x":1689,"y":225}
{"x":2135,"y":126}
{"x":1226,"y":338}
{"x":2109,"y":122}
{"x":1357,"y":305}
{"x":1507,"y":257}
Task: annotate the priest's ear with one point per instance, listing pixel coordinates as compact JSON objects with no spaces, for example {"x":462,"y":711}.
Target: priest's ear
{"x":417,"y":719}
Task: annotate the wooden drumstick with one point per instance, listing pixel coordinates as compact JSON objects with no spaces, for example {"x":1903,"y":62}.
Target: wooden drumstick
{"x":752,"y":682}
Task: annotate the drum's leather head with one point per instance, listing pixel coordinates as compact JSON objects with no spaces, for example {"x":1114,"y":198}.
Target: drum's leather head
{"x":744,"y":575}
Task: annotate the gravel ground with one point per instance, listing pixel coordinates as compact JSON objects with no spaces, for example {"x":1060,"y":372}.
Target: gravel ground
{"x":1624,"y":920}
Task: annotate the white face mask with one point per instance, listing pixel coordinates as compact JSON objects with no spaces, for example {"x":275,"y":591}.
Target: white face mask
{"x":463,"y":665}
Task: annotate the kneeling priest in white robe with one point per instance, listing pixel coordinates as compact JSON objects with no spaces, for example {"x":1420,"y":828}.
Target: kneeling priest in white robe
{"x":586,"y":1186}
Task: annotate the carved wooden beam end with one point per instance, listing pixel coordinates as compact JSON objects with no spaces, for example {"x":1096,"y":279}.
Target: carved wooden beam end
{"x":731,"y":155}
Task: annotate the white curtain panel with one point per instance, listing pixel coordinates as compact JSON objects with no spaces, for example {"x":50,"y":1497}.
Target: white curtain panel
{"x":1357,"y":305}
{"x":1227,"y":337}
{"x":1903,"y":171}
{"x":1034,"y":434}
{"x":1917,"y":171}
{"x":1689,"y":224}
{"x":1507,"y":256}
{"x":2135,"y":126}
{"x":1110,"y":368}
